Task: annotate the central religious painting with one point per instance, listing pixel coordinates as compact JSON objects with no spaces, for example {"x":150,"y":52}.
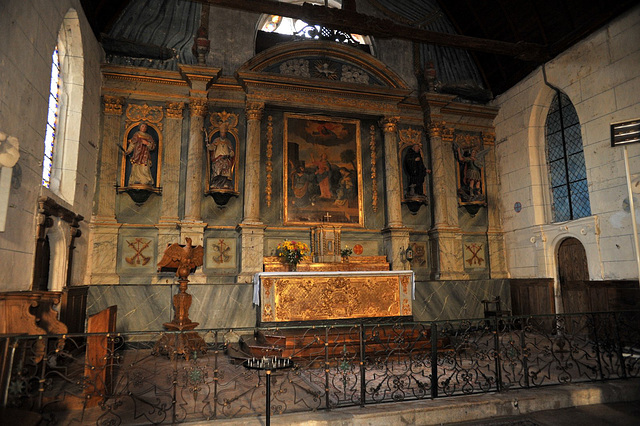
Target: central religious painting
{"x":322,"y":170}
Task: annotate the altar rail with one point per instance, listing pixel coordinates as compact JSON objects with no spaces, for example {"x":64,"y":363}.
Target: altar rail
{"x":390,"y":363}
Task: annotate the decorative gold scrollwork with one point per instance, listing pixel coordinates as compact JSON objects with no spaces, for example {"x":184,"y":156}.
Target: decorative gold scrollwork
{"x":145,"y":113}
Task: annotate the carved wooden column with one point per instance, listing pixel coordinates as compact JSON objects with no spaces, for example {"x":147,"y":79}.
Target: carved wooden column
{"x":395,"y":236}
{"x":167,"y":229}
{"x":445,"y":236}
{"x":251,"y":229}
{"x":104,"y":228}
{"x":192,"y":225}
{"x":495,"y":237}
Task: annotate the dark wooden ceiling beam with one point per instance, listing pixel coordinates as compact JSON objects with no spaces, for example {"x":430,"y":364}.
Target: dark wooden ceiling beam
{"x":354,"y":22}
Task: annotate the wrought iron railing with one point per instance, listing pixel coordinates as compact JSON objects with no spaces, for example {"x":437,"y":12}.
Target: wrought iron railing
{"x":117,"y":378}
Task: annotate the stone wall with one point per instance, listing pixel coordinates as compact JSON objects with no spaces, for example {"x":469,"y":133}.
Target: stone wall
{"x":29,"y":30}
{"x":601,"y":77}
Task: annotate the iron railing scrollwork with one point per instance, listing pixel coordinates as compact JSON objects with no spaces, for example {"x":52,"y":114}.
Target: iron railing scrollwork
{"x":334,"y":366}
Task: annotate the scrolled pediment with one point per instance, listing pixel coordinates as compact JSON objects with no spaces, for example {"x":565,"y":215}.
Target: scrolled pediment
{"x":321,"y":62}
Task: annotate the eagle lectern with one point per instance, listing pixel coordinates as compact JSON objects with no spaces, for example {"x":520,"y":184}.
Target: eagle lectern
{"x":183,"y":259}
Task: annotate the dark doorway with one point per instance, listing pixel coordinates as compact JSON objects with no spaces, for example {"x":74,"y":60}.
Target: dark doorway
{"x":573,"y":276}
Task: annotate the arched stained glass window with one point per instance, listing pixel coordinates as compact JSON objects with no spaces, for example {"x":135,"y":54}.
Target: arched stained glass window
{"x":565,"y":158}
{"x":52,"y":118}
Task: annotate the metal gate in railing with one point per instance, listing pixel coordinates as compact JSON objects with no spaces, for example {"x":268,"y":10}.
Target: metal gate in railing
{"x":334,"y":366}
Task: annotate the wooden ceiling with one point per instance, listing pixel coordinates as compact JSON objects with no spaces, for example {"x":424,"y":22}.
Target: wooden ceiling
{"x":507,"y":39}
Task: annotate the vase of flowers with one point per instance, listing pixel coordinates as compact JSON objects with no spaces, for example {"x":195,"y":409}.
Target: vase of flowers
{"x":292,"y":252}
{"x":345,"y":253}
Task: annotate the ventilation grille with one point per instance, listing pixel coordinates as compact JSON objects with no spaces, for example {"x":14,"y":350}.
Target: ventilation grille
{"x":625,"y":133}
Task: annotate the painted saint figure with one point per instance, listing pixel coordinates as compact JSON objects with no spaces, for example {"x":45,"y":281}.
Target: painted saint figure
{"x":139,"y":147}
{"x":323,"y":175}
{"x":222,"y":158}
{"x":416,"y":171}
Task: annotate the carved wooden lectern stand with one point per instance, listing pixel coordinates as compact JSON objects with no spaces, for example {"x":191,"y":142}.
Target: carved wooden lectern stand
{"x":184,"y":259}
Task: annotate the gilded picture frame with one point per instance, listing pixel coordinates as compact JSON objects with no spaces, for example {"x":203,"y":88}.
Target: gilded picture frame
{"x":322,"y":171}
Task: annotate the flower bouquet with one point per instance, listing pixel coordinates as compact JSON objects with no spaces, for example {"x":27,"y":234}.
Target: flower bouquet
{"x":345,"y":253}
{"x":292,"y":253}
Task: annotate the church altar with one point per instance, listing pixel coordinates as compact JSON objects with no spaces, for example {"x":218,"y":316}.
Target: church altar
{"x":332,"y":295}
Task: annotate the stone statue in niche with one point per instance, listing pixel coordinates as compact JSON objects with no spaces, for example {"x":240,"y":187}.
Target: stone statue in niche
{"x":470,"y":172}
{"x":222,"y":158}
{"x":139,"y":148}
{"x":416,"y":171}
{"x":221,"y":143}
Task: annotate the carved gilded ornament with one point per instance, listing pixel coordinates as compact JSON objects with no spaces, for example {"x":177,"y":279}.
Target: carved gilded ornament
{"x":254,"y":110}
{"x":304,"y":298}
{"x":145,"y":114}
{"x":229,"y":119}
{"x":267,"y":313}
{"x":389,"y":124}
{"x":468,"y":141}
{"x":448,"y":133}
{"x":488,"y":138}
{"x":198,"y":107}
{"x":174,"y":109}
{"x":113,"y":105}
{"x":296,"y":67}
{"x":406,"y":307}
{"x":405,"y":284}
{"x":435,"y":129}
{"x":409,"y":137}
{"x":266,"y":285}
{"x":269,"y":165}
{"x":374,"y":180}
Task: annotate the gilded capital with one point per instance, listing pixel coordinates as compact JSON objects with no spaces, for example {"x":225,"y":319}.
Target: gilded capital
{"x":488,"y":138}
{"x":389,"y":124}
{"x":198,"y":107}
{"x":113,"y":105}
{"x":435,"y":129}
{"x":448,"y":134}
{"x":254,"y":110}
{"x":174,"y":109}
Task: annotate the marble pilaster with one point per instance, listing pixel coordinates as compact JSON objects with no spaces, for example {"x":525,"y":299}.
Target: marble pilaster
{"x":392,"y":174}
{"x":252,"y":251}
{"x":445,"y":236}
{"x":192,"y":226}
{"x":103,"y":240}
{"x":195,"y":188}
{"x":107,"y":178}
{"x":495,"y":238}
{"x":396,"y":241}
{"x":252,"y":164}
{"x":171,"y":162}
